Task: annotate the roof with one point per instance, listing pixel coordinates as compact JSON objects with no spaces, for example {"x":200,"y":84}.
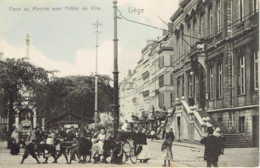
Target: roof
{"x":71,"y":115}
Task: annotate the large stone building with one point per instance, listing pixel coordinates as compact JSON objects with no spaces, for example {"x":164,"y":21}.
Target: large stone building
{"x":213,"y":65}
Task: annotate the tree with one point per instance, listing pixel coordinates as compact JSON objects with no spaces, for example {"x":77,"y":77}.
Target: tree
{"x":19,"y":82}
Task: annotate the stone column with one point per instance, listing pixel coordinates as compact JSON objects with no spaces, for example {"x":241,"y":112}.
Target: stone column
{"x":34,"y":119}
{"x":17,"y":121}
{"x":43,"y":123}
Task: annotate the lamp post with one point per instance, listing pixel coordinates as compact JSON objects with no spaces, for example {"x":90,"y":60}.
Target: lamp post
{"x":115,"y":73}
{"x":97,"y":24}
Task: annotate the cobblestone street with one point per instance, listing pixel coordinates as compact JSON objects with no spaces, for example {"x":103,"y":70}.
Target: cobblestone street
{"x":185,"y":155}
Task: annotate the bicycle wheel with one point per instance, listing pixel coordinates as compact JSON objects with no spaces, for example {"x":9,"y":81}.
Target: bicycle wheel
{"x":132,"y":156}
{"x":117,"y":156}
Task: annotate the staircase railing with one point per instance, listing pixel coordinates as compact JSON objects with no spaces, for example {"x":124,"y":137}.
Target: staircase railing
{"x":198,"y":122}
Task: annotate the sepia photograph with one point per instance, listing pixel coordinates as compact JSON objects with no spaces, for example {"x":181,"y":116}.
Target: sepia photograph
{"x":129,"y":83}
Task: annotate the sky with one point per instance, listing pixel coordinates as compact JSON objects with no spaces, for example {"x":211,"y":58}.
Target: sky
{"x":64,"y":39}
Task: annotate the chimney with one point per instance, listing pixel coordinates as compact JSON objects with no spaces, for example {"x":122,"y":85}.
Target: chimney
{"x":165,"y":32}
{"x":129,"y":72}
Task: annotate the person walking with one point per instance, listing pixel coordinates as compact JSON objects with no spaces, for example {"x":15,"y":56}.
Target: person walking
{"x":171,"y":135}
{"x":222,"y":140}
{"x":167,"y":149}
{"x":50,"y":147}
{"x":211,"y":148}
{"x":15,"y":148}
{"x":30,"y":150}
{"x":143,"y":156}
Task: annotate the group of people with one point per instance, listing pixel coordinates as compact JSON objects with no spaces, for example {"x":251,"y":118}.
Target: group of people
{"x":99,"y":145}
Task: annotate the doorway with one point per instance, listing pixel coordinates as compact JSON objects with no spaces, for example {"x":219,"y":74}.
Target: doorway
{"x":255,"y":131}
{"x":179,"y":127}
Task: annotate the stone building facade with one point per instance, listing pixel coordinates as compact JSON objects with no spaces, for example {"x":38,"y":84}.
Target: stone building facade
{"x":207,"y":70}
{"x":216,"y":48}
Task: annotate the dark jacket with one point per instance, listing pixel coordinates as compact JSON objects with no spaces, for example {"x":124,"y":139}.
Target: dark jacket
{"x":171,"y":135}
{"x":211,"y":148}
{"x":142,"y":138}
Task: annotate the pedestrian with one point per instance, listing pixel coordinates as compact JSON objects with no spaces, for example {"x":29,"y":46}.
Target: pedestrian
{"x":50,"y":146}
{"x":171,"y":135}
{"x":30,"y":150}
{"x":167,"y":149}
{"x":100,"y":140}
{"x":15,"y":146}
{"x":136,"y":139}
{"x":152,"y":134}
{"x":211,"y":148}
{"x":163,"y":133}
{"x":222,"y":140}
{"x":143,"y":156}
{"x":32,"y":135}
{"x":62,"y":150}
{"x":74,"y":150}
{"x":70,"y":136}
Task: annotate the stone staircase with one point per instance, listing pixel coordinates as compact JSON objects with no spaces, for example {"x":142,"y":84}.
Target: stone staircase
{"x":233,"y":140}
{"x":236,"y":140}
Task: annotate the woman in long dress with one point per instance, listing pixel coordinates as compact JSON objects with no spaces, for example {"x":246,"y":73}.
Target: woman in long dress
{"x":167,"y":149}
{"x":144,"y":155}
{"x":15,"y":149}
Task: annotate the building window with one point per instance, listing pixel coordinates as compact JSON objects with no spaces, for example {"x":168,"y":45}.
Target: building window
{"x":182,"y":93}
{"x":172,"y":79}
{"x":171,"y":98}
{"x":161,"y":99}
{"x":241,"y":10}
{"x":202,"y":26}
{"x":242,"y":124}
{"x":145,"y":75}
{"x":241,"y":76}
{"x":190,"y":86}
{"x":161,"y":81}
{"x":211,"y":96}
{"x":256,"y":83}
{"x":195,"y":30}
{"x":171,"y":60}
{"x":161,"y":61}
{"x":255,"y":5}
{"x":210,"y":22}
{"x":219,"y":80}
{"x":178,"y":87}
{"x":218,"y":15}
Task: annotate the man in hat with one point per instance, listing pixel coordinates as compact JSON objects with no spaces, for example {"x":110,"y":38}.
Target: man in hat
{"x":211,"y":148}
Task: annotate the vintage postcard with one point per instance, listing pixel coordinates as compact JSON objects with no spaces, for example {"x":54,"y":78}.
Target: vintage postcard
{"x":129,"y":83}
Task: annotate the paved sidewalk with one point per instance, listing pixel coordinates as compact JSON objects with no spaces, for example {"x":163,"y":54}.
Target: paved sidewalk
{"x":196,"y":146}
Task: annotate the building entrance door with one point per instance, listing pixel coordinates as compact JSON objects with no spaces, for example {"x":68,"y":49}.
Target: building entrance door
{"x":255,"y":131}
{"x":179,"y":127}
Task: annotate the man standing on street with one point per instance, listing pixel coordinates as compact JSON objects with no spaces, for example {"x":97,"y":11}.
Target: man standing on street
{"x":211,"y":148}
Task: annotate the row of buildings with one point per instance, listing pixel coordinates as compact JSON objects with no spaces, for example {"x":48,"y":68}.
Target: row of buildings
{"x":203,"y":69}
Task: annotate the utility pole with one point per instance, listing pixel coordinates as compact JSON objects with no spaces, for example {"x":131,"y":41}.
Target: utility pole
{"x":27,"y":42}
{"x":115,"y":73}
{"x":97,"y":24}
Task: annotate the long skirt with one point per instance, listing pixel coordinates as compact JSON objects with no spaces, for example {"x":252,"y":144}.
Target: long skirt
{"x":167,"y":154}
{"x":144,"y":154}
{"x":15,"y":148}
{"x":100,"y":147}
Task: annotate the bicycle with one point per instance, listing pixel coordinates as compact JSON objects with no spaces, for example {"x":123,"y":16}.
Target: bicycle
{"x":125,"y":150}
